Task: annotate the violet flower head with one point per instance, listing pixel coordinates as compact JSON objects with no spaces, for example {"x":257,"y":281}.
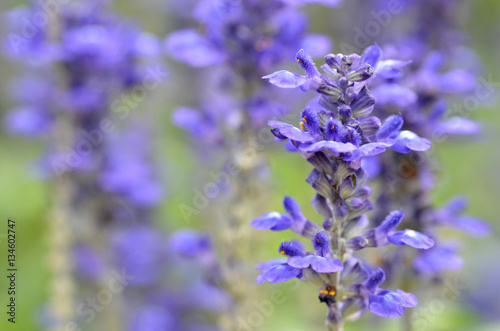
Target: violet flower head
{"x":336,"y":133}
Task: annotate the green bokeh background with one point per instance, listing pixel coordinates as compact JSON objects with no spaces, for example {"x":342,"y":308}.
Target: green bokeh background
{"x":470,"y":168}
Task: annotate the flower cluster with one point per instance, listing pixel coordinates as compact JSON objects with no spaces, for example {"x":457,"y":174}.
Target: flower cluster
{"x":336,"y":133}
{"x":244,"y":40}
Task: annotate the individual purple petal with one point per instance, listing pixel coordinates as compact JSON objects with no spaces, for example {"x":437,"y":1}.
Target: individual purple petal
{"x":195,"y":124}
{"x":191,"y":47}
{"x":292,"y":248}
{"x":289,"y":146}
{"x":89,"y":264}
{"x":285,"y":79}
{"x":385,"y":306}
{"x":190,"y":243}
{"x":391,"y":125}
{"x":150,"y":318}
{"x":355,"y":226}
{"x":211,"y":297}
{"x":407,"y":300}
{"x":372,"y":166}
{"x":293,"y":208}
{"x":372,"y":55}
{"x":366,"y":150}
{"x":321,"y":243}
{"x":456,"y":205}
{"x":388,"y":69}
{"x":331,"y":146}
{"x":458,"y":126}
{"x":30,"y":122}
{"x":148,"y":193}
{"x":472,"y":225}
{"x":147,"y":44}
{"x":380,"y":235}
{"x":408,"y":141}
{"x":300,"y":224}
{"x":391,"y":304}
{"x":411,"y":238}
{"x":272,"y":221}
{"x":317,"y":263}
{"x":306,"y":63}
{"x":278,"y":274}
{"x":376,"y":278}
{"x":270,"y":263}
{"x":317,"y":44}
{"x":291,"y":132}
{"x":457,"y":81}
{"x":394,"y":94}
{"x":437,"y":259}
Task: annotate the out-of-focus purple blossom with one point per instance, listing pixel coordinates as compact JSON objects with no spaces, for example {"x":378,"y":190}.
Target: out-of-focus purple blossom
{"x":450,"y":215}
{"x":437,"y":259}
{"x":29,"y":122}
{"x":247,"y":38}
{"x":152,"y":318}
{"x":140,"y":251}
{"x":128,"y":172}
{"x":89,"y":264}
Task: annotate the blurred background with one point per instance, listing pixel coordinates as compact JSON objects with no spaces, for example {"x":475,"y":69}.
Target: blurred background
{"x":470,"y":168}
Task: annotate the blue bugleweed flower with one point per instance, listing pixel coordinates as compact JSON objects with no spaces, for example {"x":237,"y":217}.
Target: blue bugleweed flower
{"x":336,"y":133}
